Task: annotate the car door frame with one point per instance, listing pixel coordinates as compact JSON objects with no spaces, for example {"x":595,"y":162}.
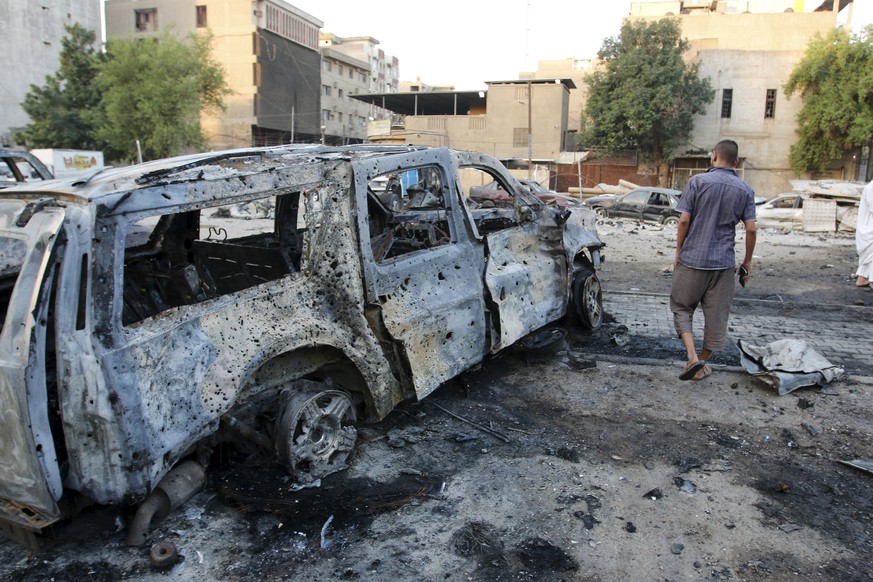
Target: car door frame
{"x":526,"y":271}
{"x":429,"y":302}
{"x":626,"y":210}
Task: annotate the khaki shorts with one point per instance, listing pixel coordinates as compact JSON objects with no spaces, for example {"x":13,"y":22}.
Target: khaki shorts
{"x":713,"y":291}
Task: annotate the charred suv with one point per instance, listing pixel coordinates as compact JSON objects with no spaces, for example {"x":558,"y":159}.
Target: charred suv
{"x":262,"y":297}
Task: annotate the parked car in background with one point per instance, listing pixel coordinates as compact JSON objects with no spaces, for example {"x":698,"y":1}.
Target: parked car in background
{"x":20,"y":166}
{"x":787,"y":211}
{"x":550,"y":196}
{"x":494,"y":194}
{"x":647,"y":204}
{"x":143,"y":325}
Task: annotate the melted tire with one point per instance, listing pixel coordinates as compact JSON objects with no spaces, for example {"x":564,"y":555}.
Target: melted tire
{"x":588,"y":299}
{"x":314,"y":433}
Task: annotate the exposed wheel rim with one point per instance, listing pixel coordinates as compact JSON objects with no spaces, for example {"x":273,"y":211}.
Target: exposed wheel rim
{"x":600,"y":212}
{"x":314,"y":433}
{"x":589,"y":299}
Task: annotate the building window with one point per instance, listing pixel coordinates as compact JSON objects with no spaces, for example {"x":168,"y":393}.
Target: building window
{"x":201,"y":16}
{"x":256,"y":74}
{"x":521,"y":94}
{"x":351,"y":74}
{"x":326,"y":90}
{"x":146,"y":19}
{"x":339,"y":117}
{"x":328,"y":66}
{"x":727,"y":98}
{"x":340,"y":70}
{"x":325,"y":116}
{"x":339,"y":93}
{"x":770,"y":104}
{"x":519,"y":137}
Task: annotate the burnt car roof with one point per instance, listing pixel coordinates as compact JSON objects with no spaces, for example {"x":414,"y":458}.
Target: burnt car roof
{"x":7,"y":153}
{"x":100,"y":187}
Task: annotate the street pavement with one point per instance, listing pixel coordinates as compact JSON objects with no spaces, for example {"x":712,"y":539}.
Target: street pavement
{"x":840,"y":334}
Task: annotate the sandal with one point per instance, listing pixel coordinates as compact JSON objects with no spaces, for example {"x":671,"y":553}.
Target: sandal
{"x":691,"y":369}
{"x":703,"y":373}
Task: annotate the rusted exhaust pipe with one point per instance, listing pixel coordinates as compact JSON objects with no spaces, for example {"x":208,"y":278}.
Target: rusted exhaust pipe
{"x":177,"y":487}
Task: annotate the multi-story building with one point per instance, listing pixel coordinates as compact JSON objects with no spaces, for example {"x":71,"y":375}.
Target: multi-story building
{"x":344,"y":119}
{"x":381,"y":75}
{"x":748,"y":64}
{"x":269,"y":50}
{"x":384,"y":68}
{"x":30,"y":40}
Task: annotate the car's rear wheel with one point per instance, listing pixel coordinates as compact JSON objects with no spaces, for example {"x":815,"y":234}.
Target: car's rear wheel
{"x":314,"y":433}
{"x":588,"y":299}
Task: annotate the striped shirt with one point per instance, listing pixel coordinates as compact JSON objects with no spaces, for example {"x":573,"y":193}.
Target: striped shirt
{"x":716,"y":201}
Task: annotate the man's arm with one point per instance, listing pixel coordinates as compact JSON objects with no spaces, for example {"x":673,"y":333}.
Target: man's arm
{"x":751,"y":238}
{"x":681,"y":233}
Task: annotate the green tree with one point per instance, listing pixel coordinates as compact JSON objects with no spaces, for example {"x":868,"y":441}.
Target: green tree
{"x":646,"y":95}
{"x":835,"y":80}
{"x":154,"y":91}
{"x":62,"y":112}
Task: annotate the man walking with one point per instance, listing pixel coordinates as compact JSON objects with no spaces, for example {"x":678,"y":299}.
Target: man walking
{"x":703,"y":270}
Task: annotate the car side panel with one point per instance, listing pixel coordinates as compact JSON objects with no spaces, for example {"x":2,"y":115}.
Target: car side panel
{"x":527,"y":278}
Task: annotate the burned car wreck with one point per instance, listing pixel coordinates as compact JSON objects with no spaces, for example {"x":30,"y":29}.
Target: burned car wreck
{"x":143,"y":324}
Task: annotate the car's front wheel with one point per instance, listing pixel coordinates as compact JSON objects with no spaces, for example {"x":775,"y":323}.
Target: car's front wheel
{"x":600,"y":212}
{"x":670,"y":221}
{"x":588,"y":299}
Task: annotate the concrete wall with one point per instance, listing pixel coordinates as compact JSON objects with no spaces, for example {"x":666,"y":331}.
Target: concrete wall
{"x":757,"y":32}
{"x":764,"y":142}
{"x":30,"y":41}
{"x":508,"y":111}
{"x":577,"y":70}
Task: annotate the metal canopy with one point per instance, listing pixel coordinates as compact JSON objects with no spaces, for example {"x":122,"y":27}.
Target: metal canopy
{"x":444,"y":102}
{"x":427,"y":103}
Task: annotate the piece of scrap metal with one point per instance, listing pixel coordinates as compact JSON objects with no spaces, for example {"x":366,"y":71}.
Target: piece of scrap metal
{"x":866,"y":466}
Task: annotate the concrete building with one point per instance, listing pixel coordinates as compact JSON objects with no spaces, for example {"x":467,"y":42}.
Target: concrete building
{"x":269,"y":50}
{"x":748,"y":62}
{"x":384,"y":68}
{"x":353,"y":66}
{"x":30,"y":40}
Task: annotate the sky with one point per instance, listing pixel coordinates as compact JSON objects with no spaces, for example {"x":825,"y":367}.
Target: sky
{"x":433,"y":41}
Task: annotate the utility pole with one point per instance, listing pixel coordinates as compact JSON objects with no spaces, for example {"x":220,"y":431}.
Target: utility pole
{"x":529,"y":132}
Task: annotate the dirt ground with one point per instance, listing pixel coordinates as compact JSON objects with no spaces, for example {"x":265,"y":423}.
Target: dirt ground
{"x":561,"y":464}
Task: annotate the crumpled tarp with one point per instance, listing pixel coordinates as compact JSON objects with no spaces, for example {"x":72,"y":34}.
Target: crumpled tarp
{"x":788,"y":364}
